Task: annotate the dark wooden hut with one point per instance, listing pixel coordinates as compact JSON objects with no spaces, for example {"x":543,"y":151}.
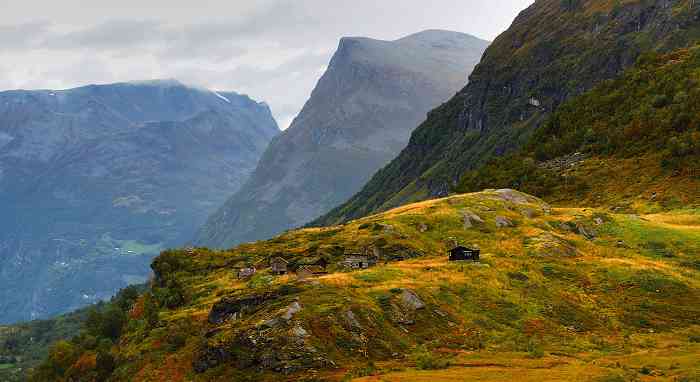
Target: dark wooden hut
{"x":278,"y":266}
{"x":461,"y":253}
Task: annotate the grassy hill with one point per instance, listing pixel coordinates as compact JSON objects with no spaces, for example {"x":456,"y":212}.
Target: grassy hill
{"x":555,"y":50}
{"x":631,"y":143}
{"x":600,"y":285}
{"x":559,"y":294}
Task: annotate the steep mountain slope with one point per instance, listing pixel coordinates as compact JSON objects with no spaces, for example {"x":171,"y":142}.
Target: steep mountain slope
{"x":359,"y":116}
{"x":631,"y":143}
{"x":559,"y":294}
{"x":95,"y":181}
{"x":553,"y":51}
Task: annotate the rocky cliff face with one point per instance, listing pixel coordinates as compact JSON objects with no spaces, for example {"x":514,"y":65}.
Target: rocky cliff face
{"x":359,"y":116}
{"x":95,"y":181}
{"x":554,"y":50}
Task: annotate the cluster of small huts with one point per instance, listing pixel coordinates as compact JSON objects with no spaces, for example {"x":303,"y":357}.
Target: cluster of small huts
{"x":352,"y":261}
{"x":312,"y":268}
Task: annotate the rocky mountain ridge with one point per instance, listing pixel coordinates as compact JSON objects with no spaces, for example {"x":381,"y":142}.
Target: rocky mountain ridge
{"x":554,"y":50}
{"x":357,"y":119}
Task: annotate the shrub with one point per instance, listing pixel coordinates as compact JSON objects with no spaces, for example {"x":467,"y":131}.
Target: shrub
{"x":104,"y":365}
{"x":106,"y":323}
{"x":425,"y":360}
{"x":360,"y":372}
{"x":534,"y":349}
{"x":150,"y":311}
{"x":260,"y":281}
{"x":62,"y":356}
{"x":176,"y":341}
{"x":384,"y":300}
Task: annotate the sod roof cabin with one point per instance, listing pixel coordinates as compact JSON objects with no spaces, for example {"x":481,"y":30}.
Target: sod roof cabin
{"x":278,"y":265}
{"x":317,"y":261}
{"x":308,"y":271}
{"x":246,"y":272}
{"x":357,"y":261}
{"x":462,"y":253}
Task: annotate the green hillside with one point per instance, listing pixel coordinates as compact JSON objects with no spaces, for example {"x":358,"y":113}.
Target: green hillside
{"x":593,"y":107}
{"x":554,"y":50}
{"x":633,"y":142}
{"x":25,"y":346}
{"x":584,"y":294}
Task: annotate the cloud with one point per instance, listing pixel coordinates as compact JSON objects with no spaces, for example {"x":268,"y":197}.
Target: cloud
{"x":22,"y":36}
{"x":273,"y":50}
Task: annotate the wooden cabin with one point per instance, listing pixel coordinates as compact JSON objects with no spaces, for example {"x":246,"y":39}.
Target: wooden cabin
{"x":246,"y":273}
{"x":357,"y":261}
{"x":308,"y":271}
{"x":278,"y":266}
{"x":461,"y":253}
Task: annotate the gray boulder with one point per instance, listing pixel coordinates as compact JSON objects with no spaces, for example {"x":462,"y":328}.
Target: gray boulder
{"x":470,"y":219}
{"x":504,"y":222}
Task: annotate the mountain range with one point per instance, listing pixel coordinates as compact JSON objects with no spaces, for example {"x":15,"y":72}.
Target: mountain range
{"x":359,"y":116}
{"x":437,"y":269}
{"x":97,"y":180}
{"x":553,"y":51}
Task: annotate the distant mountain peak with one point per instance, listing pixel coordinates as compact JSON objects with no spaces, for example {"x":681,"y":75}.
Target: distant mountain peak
{"x":101,"y":165}
{"x":162,"y":82}
{"x":438,"y":35}
{"x":409,"y":51}
{"x":359,"y":116}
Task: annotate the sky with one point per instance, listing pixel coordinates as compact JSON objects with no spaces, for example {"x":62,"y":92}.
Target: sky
{"x":272,"y":50}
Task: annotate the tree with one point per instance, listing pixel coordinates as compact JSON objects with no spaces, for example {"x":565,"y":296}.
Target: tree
{"x":150,"y":311}
{"x":105,"y":365}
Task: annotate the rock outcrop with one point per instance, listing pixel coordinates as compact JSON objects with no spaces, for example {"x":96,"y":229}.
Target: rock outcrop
{"x":404,"y":307}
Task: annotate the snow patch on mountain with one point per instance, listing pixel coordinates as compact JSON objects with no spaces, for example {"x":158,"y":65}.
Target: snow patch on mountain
{"x":222,"y":97}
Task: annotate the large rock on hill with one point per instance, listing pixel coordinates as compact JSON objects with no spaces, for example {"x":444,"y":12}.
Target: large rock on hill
{"x":359,"y":116}
{"x":95,"y":181}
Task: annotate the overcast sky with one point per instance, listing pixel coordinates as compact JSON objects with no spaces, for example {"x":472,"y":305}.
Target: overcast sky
{"x":273,"y":50}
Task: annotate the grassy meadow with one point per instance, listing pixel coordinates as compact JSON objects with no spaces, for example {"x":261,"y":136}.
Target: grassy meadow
{"x":559,"y":294}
